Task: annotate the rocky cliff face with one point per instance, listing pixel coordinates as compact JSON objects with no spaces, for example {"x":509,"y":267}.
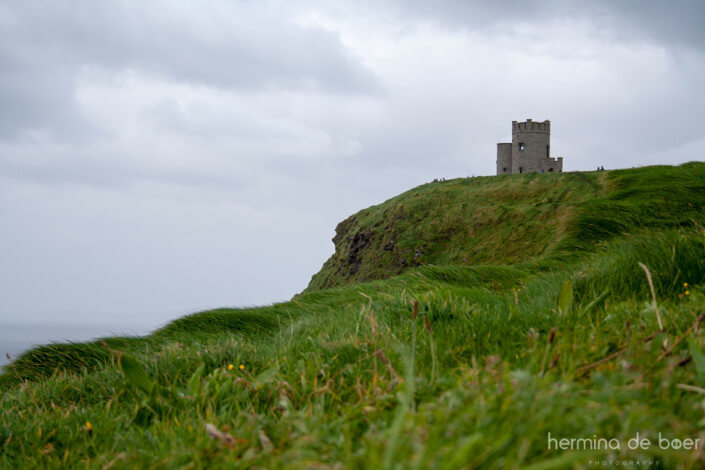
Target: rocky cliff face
{"x":364,"y":252}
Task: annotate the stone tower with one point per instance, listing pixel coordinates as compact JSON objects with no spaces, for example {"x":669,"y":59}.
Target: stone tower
{"x":530,"y":150}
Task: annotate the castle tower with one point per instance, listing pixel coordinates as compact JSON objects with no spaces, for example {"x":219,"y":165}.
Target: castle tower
{"x":530,"y":150}
{"x":504,"y":159}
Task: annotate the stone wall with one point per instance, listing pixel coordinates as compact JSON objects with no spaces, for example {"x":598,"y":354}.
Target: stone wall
{"x":504,"y":159}
{"x":530,"y":150}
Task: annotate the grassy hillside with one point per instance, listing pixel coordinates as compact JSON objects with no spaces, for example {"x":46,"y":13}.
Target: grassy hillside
{"x":507,"y":219}
{"x":526,"y":312}
{"x":501,"y":220}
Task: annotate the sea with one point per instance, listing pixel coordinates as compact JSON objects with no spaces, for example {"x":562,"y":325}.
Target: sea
{"x":16,"y":338}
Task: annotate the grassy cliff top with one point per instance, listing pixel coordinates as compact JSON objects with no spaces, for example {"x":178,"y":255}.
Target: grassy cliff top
{"x":508,"y":219}
{"x":566,"y":304}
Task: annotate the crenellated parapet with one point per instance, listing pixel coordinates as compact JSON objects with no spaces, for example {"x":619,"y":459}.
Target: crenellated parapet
{"x":531,"y":126}
{"x":529,"y":151}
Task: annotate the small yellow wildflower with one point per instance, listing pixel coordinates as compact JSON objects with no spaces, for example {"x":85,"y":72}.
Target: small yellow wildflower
{"x":685,"y":284}
{"x":687,"y":292}
{"x":242,"y":366}
{"x":231,"y":367}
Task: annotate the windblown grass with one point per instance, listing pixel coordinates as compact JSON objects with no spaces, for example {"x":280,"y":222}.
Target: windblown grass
{"x":510,"y":219}
{"x":442,"y":366}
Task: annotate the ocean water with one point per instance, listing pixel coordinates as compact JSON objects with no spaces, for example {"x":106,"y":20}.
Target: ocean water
{"x":15,"y":338}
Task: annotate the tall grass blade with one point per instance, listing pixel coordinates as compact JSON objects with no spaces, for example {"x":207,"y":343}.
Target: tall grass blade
{"x":565,"y":298}
{"x":698,"y":358}
{"x":135,"y":373}
{"x":194,"y":383}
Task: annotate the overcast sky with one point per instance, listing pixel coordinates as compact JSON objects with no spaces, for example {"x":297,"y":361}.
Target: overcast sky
{"x":158,"y":158}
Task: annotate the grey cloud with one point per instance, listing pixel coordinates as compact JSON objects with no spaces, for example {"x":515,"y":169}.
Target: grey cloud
{"x":240,"y":46}
{"x":244,"y":46}
{"x":160,"y":160}
{"x":673,"y":23}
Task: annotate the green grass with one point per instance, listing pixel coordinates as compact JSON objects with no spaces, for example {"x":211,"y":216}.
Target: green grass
{"x":510,"y":219}
{"x":460,"y":359}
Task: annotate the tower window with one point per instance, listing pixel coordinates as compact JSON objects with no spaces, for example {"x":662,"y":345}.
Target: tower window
{"x":522,"y":147}
{"x":505,"y":169}
{"x":547,"y":154}
{"x":521,"y":169}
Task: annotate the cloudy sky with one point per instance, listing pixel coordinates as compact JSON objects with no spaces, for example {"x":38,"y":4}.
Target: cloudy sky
{"x":157,"y":158}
